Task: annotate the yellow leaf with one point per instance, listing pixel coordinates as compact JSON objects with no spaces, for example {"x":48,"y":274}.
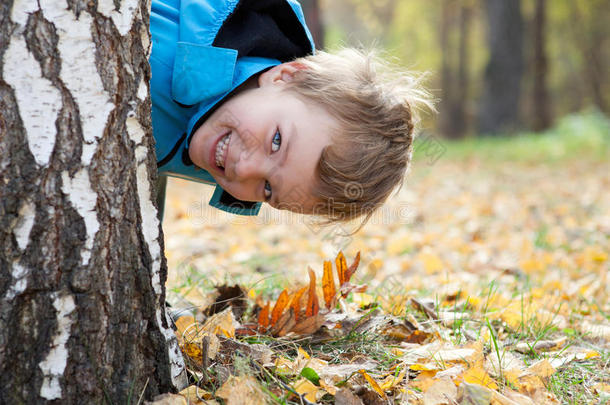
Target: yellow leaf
{"x":221,"y":323}
{"x":477,"y":375}
{"x":424,"y":367}
{"x":541,"y":368}
{"x":303,"y":353}
{"x":590,"y":354}
{"x":431,"y":262}
{"x":183,"y":324}
{"x":391,"y":381}
{"x":305,"y":387}
{"x":194,"y":394}
{"x":373,"y":383}
{"x":362,"y":299}
{"x":601,"y":388}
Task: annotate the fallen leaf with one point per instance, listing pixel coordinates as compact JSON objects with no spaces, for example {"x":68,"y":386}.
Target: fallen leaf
{"x":296,"y":303}
{"x":601,"y":388}
{"x":222,"y":323}
{"x":311,"y":392}
{"x":373,"y":383}
{"x":477,"y":375}
{"x":440,"y":392}
{"x":233,"y":296}
{"x":168,"y":399}
{"x":541,"y":345}
{"x":517,"y":398}
{"x":425,"y":307}
{"x":184,"y":324}
{"x":328,"y":285}
{"x":260,"y":353}
{"x":541,"y":368}
{"x":263,"y":317}
{"x":195,"y":395}
{"x":346,"y":397}
{"x":284,"y":325}
{"x":341,"y":265}
{"x":279,"y":307}
{"x":243,"y":390}
{"x":352,"y":268}
{"x":474,"y":394}
{"x":308,"y":325}
{"x":312,"y":300}
{"x":392,"y":380}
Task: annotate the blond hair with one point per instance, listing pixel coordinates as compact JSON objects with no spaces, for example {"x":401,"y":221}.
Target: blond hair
{"x":376,"y":108}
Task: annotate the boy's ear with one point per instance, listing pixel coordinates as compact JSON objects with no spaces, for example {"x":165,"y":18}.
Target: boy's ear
{"x":280,"y":74}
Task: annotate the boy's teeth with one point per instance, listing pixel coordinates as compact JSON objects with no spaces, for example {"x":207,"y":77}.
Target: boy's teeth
{"x":221,"y":150}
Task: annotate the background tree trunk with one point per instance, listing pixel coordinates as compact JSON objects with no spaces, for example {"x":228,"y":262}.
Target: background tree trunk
{"x":542,"y":112}
{"x":454,"y":68}
{"x":591,"y":40}
{"x":82,"y":270}
{"x":499,"y":105}
{"x":313,"y":16}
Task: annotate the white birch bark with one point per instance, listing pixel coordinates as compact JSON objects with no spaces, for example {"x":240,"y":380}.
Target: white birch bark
{"x":82,"y":271}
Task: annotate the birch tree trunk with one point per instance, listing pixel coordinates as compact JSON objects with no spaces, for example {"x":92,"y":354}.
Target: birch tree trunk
{"x":499,"y":108}
{"x":82,"y":269}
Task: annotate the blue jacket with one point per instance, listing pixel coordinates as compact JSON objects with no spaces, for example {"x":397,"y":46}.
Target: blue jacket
{"x":202,"y":50}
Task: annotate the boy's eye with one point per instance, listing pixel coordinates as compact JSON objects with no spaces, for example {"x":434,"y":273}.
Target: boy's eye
{"x":267,"y":190}
{"x":276,"y":142}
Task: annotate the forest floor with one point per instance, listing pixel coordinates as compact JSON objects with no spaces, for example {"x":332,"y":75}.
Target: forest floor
{"x":487,"y":281}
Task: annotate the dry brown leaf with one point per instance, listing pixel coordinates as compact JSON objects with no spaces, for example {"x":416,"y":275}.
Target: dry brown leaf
{"x":195,"y":395}
{"x":352,"y":268}
{"x":474,"y":394}
{"x":242,"y":390}
{"x":541,"y":345}
{"x":441,"y":392}
{"x":233,"y":296}
{"x":168,"y":399}
{"x":517,"y":398}
{"x":425,"y":307}
{"x":222,"y":323}
{"x":285,"y":324}
{"x":279,"y":307}
{"x":309,"y":325}
{"x":346,"y":397}
{"x":312,"y":300}
{"x":328,"y":285}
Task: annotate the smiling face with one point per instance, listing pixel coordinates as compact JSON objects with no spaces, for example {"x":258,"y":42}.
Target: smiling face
{"x":264,"y":143}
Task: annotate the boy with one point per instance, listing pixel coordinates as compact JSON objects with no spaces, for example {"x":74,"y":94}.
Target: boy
{"x":238,"y":103}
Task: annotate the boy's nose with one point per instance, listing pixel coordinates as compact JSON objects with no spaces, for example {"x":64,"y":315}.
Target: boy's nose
{"x":249,"y":166}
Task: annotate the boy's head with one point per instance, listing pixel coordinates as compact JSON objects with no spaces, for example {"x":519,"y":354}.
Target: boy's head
{"x":327,"y":134}
{"x":374,"y":107}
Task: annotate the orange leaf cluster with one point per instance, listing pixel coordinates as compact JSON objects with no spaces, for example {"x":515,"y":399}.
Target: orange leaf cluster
{"x":290,"y":315}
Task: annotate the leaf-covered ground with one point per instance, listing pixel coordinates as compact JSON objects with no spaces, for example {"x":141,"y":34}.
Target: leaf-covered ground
{"x":488,"y":281}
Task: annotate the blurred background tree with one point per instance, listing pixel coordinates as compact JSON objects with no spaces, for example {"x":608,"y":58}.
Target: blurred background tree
{"x":495,"y":65}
